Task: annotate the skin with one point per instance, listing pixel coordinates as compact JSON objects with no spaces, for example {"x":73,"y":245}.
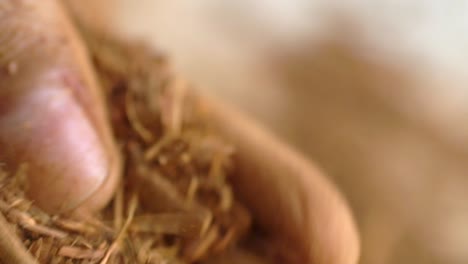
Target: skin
{"x":52,"y":117}
{"x":51,"y":114}
{"x":288,"y":195}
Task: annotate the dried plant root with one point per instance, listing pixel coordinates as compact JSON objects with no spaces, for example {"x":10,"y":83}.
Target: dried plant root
{"x":11,"y":248}
{"x":175,"y":204}
{"x":181,"y":174}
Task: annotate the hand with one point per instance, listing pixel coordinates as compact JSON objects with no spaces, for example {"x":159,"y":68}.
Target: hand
{"x":52,"y":118}
{"x":286,"y":193}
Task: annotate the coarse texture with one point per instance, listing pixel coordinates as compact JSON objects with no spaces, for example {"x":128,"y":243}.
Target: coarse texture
{"x":175,"y":204}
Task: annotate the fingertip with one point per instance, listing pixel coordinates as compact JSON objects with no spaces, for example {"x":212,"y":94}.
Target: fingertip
{"x":52,"y":113}
{"x":48,"y":131}
{"x":333,"y":233}
{"x":288,"y":195}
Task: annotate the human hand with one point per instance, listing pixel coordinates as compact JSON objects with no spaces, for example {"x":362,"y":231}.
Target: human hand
{"x":52,"y":117}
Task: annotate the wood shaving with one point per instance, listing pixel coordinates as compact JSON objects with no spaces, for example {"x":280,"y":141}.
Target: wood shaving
{"x":175,"y":204}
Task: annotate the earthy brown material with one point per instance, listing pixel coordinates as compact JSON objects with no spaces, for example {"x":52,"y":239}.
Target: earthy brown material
{"x":176,"y":174}
{"x":174,"y":203}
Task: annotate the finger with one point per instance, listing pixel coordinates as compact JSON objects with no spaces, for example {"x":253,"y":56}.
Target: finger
{"x":100,"y":17}
{"x":288,"y":195}
{"x":52,"y":116}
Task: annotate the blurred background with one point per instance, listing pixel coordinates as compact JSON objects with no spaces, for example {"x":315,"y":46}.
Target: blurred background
{"x":375,"y":92}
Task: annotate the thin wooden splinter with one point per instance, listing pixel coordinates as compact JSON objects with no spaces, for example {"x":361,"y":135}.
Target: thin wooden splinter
{"x":11,"y":248}
{"x":183,"y":224}
{"x":136,"y":124}
{"x":80,"y":253}
{"x":131,"y":213}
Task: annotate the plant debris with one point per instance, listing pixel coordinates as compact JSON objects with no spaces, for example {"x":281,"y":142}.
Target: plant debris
{"x":174,"y":205}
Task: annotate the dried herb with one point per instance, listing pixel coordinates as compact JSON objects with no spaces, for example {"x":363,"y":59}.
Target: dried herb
{"x":174,"y":205}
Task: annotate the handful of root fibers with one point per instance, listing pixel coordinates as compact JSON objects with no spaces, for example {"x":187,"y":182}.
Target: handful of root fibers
{"x":174,"y":204}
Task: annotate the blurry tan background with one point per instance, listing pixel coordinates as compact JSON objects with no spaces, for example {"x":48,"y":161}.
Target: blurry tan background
{"x":374,"y":92}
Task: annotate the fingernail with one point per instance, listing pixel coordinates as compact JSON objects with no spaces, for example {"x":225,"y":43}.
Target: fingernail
{"x":47,"y":130}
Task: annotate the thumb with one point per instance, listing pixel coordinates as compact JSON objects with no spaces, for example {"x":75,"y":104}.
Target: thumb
{"x":52,"y":115}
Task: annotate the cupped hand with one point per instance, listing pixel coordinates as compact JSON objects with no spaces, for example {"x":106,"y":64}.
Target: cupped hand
{"x":52,"y":118}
